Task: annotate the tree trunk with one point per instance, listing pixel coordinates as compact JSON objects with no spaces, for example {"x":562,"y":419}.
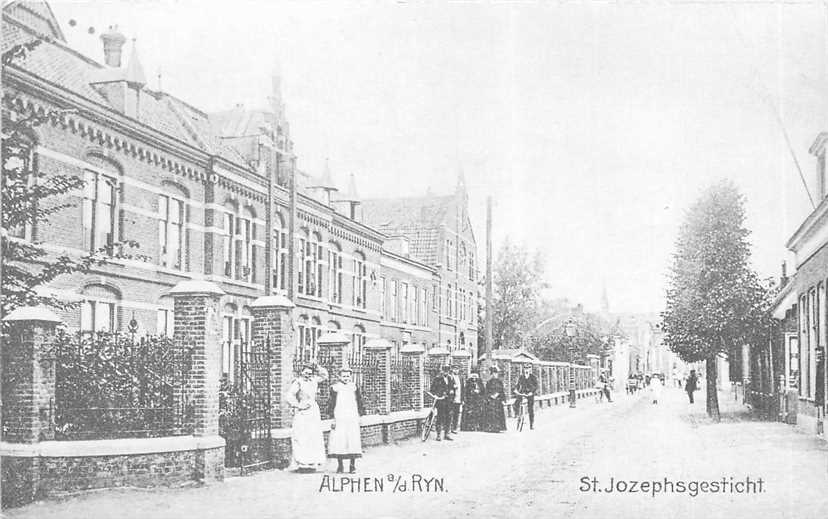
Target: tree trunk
{"x":712,"y":393}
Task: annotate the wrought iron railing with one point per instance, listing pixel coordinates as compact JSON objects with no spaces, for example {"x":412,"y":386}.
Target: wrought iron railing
{"x":113,"y":385}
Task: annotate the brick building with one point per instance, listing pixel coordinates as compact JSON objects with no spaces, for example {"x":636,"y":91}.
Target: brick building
{"x":800,"y":338}
{"x":437,"y":231}
{"x":192,"y":189}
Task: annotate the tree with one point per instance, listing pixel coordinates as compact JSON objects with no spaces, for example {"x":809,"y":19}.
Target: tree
{"x":518,"y":281}
{"x":715,"y":301}
{"x":29,"y":198}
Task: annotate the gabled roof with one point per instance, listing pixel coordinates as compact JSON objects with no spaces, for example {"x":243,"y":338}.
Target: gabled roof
{"x":417,"y":219}
{"x":37,"y":15}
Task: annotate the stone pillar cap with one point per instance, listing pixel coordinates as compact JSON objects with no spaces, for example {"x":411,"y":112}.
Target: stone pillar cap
{"x":412,"y":348}
{"x":377,"y":344}
{"x":438,"y":351}
{"x":333,"y":338}
{"x":460,"y":353}
{"x":196,"y":286}
{"x":32,"y":313}
{"x":277,"y":301}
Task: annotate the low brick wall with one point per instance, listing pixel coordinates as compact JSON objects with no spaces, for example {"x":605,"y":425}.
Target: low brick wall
{"x":374,"y":430}
{"x":47,"y":469}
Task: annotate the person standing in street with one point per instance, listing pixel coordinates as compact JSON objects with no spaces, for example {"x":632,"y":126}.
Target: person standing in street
{"x":307,"y":443}
{"x":495,"y":415}
{"x":526,"y":387}
{"x":457,"y":404}
{"x":691,"y":385}
{"x":345,"y":406}
{"x":656,"y":386}
{"x":605,"y":386}
{"x":442,"y":389}
{"x":473,"y":404}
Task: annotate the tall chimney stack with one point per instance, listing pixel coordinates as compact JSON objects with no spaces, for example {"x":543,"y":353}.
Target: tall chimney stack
{"x":113,"y":42}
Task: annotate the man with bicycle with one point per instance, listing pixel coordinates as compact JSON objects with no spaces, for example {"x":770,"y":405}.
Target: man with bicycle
{"x":526,"y":387}
{"x":443,"y":391}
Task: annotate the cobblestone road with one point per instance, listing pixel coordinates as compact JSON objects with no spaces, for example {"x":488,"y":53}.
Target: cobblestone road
{"x":530,"y":474}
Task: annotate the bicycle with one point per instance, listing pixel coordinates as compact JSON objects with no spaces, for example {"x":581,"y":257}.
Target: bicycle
{"x":430,"y":419}
{"x":521,"y":412}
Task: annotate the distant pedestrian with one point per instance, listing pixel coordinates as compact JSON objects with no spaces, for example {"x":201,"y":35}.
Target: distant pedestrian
{"x":307,"y":444}
{"x":495,"y":419}
{"x":526,"y":387}
{"x":474,"y":404}
{"x":691,"y":385}
{"x":345,"y":406}
{"x":457,"y":404}
{"x":605,"y":386}
{"x":442,"y":389}
{"x":655,"y":388}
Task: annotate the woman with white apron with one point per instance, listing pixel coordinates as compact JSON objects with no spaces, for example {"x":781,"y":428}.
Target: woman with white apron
{"x":346,"y":407}
{"x":307,"y":442}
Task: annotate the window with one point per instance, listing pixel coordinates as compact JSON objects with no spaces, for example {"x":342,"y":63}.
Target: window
{"x":436,"y":294}
{"x":228,"y":244}
{"x":164,"y":322}
{"x":357,"y":341}
{"x":449,"y":254}
{"x":310,"y":270}
{"x":813,"y":343}
{"x":382,"y":297}
{"x":335,"y":272}
{"x":462,"y":309}
{"x":98,"y":210}
{"x":471,"y":267}
{"x":404,"y":302}
{"x":415,"y":306}
{"x":424,"y":303}
{"x":20,"y":167}
{"x":804,"y":347}
{"x":448,"y":301}
{"x":394,"y":301}
{"x":280,"y":251}
{"x":97,"y":316}
{"x":461,"y":262}
{"x":360,"y":281}
{"x":171,"y":219}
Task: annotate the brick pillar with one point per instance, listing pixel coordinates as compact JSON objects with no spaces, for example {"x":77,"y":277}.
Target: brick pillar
{"x":435,"y":359}
{"x":29,"y":380}
{"x":414,"y":381}
{"x":272,"y":324}
{"x":197,"y":324}
{"x":376,"y":377}
{"x":331,"y":357}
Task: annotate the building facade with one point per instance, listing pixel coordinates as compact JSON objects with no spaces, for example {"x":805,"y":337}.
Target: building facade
{"x":205,"y":196}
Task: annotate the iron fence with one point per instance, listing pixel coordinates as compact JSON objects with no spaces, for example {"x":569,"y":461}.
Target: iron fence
{"x":113,"y":385}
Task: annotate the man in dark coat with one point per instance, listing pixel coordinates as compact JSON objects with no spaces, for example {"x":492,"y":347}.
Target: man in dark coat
{"x":473,"y":403}
{"x":526,"y":387}
{"x":443,"y":389}
{"x":691,"y":385}
{"x":495,"y":420}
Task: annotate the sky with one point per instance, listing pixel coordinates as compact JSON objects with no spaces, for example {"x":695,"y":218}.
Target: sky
{"x":593,"y":126}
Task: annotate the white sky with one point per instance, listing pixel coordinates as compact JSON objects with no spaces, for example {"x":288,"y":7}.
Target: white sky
{"x":592,"y":125}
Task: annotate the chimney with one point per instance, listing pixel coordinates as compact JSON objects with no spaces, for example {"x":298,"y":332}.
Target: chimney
{"x":113,"y":42}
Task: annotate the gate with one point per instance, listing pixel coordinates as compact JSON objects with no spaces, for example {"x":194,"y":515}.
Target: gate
{"x":245,"y":408}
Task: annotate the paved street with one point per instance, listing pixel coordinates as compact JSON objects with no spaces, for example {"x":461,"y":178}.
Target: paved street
{"x":530,"y":474}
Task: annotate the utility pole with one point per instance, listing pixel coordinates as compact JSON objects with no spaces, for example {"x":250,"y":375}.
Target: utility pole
{"x":489,"y":309}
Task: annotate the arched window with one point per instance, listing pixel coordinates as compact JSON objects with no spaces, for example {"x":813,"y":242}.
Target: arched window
{"x":359,"y":275}
{"x":99,"y":309}
{"x":461,"y":263}
{"x":239,"y":251}
{"x":310,"y":267}
{"x":99,"y":209}
{"x":280,"y":251}
{"x":357,"y":341}
{"x":472,"y":276}
{"x":172,"y":227}
{"x":335,"y":272}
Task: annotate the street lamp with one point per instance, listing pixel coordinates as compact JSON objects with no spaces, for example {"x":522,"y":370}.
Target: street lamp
{"x":571,"y":332}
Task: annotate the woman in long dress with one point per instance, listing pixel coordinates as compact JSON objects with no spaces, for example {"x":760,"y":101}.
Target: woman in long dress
{"x":495,"y":415}
{"x":307,"y":442}
{"x":473,"y":408}
{"x":346,"y":407}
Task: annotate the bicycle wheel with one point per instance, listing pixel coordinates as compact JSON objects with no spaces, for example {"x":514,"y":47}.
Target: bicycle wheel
{"x":428,"y":423}
{"x":520,"y":421}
